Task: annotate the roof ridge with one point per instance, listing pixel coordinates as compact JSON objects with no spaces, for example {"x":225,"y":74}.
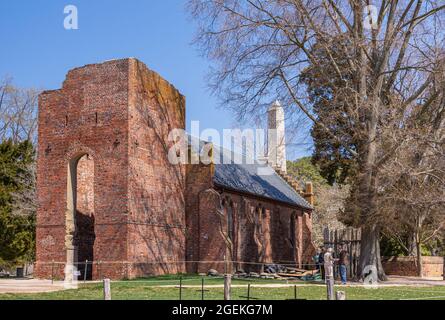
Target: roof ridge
{"x":293,"y":189}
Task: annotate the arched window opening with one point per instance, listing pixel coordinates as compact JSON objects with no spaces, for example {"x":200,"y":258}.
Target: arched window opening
{"x":292,"y":227}
{"x":230,"y":221}
{"x":80,"y":214}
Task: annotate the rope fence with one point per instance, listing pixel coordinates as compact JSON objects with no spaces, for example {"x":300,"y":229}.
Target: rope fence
{"x":97,"y":270}
{"x":287,"y":279}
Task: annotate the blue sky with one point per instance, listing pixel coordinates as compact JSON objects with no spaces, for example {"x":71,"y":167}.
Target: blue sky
{"x":37,"y":51}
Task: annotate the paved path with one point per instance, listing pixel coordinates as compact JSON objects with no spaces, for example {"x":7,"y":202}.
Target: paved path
{"x":416,"y":281}
{"x":29,"y":286}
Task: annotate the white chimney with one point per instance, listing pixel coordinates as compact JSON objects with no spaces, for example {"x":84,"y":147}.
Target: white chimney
{"x":276,"y":141}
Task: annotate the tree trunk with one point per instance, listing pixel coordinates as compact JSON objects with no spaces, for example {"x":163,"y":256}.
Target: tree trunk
{"x":412,"y":245}
{"x":370,"y":253}
{"x":419,"y":258}
{"x":366,"y":201}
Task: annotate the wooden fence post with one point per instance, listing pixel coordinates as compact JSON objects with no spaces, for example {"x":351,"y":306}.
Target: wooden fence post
{"x":330,"y":286}
{"x":52,"y":272}
{"x":180,"y":288}
{"x":85,"y":270}
{"x":202,"y":288}
{"x":443,"y":269}
{"x":227,"y":286}
{"x":248,"y":291}
{"x":107,"y":289}
{"x":335,"y":254}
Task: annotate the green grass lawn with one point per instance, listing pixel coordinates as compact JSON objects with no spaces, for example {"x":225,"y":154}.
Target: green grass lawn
{"x":148,"y":289}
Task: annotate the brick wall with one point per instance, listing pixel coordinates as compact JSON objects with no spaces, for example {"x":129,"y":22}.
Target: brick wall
{"x":406,"y":266}
{"x":307,"y":249}
{"x":262,"y":231}
{"x":156,"y":187}
{"x":198,"y":181}
{"x":212,"y":246}
{"x":88,"y":115}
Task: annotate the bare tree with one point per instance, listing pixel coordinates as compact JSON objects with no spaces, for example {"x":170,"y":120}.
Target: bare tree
{"x":329,"y":202}
{"x":18,"y":112}
{"x":392,"y":52}
{"x":415,"y":205}
{"x":413,"y":183}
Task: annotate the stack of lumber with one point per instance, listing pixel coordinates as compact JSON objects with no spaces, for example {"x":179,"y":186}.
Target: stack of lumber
{"x":297,"y":273}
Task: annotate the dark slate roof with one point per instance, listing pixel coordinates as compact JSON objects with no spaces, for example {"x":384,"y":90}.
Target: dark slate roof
{"x":253,"y":178}
{"x":245,"y":178}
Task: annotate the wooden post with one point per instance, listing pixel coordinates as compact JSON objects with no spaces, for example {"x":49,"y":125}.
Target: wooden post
{"x":107,"y":289}
{"x":330,"y":287}
{"x":99,"y":275}
{"x":202,"y":288}
{"x":351,"y":275}
{"x":248,"y":291}
{"x":340,"y":295}
{"x":85,"y":271}
{"x":331,"y":237}
{"x":227,"y":286}
{"x":329,"y":276}
{"x":335,"y":254}
{"x":325,"y":235}
{"x":295,"y":292}
{"x":443,"y":269}
{"x":180,"y":288}
{"x":52,"y":273}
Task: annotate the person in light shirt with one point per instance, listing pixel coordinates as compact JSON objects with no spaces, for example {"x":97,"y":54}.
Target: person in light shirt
{"x":329,"y":261}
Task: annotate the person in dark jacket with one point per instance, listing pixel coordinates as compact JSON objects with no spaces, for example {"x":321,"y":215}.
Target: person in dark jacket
{"x":316,"y":259}
{"x":321,"y":261}
{"x":343,"y":261}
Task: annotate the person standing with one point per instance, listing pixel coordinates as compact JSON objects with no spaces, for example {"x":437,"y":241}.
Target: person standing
{"x":316,"y":259}
{"x":321,"y":261}
{"x":329,"y":263}
{"x":329,"y":272}
{"x":343,"y":261}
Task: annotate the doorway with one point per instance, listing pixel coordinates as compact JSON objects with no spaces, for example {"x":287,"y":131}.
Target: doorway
{"x":80,"y":217}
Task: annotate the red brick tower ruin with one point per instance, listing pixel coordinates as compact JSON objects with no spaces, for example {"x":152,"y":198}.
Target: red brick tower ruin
{"x":107,"y":192}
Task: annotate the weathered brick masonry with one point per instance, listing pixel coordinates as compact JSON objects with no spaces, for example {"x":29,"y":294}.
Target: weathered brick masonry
{"x":108,"y":194}
{"x":261,"y":230}
{"x":119,"y":114}
{"x":407,"y":266}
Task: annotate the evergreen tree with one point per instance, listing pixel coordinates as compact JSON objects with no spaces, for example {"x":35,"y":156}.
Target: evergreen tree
{"x":17,"y":232}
